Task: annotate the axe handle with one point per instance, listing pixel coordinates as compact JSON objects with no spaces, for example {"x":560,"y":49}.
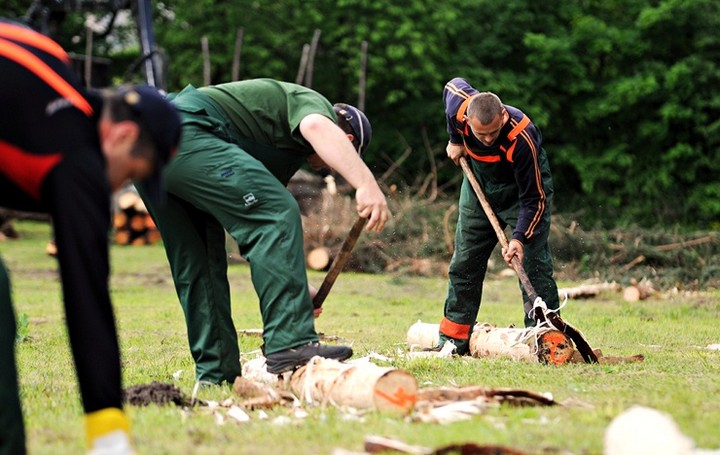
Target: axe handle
{"x":339,"y":263}
{"x":585,"y":350}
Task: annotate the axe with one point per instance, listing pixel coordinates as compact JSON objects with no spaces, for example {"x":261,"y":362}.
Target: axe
{"x":538,"y":311}
{"x":339,"y":263}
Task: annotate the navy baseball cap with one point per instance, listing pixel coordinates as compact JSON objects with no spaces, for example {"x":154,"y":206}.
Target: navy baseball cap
{"x":161,"y":120}
{"x":358,"y":122}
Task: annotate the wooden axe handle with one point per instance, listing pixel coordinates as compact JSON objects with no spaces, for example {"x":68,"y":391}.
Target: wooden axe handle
{"x":538,"y":314}
{"x":339,"y":263}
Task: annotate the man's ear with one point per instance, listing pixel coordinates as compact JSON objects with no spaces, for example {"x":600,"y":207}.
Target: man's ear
{"x":125,"y":131}
{"x":350,"y":137}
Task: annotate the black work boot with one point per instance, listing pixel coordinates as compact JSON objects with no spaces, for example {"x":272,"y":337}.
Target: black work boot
{"x":280,"y":362}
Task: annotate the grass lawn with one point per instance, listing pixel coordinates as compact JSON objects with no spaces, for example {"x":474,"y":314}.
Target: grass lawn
{"x":679,"y":376}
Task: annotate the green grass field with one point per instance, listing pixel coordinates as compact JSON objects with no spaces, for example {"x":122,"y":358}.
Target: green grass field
{"x":679,"y":376}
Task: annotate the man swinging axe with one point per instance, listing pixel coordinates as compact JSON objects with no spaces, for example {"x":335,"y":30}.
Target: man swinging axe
{"x":506,"y":157}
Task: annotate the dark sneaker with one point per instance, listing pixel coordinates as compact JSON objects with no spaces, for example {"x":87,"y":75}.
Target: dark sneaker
{"x":289,"y":359}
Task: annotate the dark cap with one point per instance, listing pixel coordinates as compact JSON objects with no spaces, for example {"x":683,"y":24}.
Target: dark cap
{"x":358,"y":122}
{"x":161,"y":120}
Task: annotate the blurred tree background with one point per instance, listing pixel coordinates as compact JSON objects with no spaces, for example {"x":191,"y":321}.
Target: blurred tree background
{"x":626,"y":92}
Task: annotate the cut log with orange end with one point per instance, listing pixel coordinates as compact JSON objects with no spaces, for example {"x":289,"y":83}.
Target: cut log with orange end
{"x":555,"y":347}
{"x":119,"y":220}
{"x":137,"y":223}
{"x":138,"y":241}
{"x":153,"y":236}
{"x":149,"y":222}
{"x":362,"y":385}
{"x":122,"y":237}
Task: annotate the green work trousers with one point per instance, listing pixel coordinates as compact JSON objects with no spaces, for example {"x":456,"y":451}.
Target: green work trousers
{"x":475,"y":240}
{"x":12,"y":430}
{"x":214,"y":185}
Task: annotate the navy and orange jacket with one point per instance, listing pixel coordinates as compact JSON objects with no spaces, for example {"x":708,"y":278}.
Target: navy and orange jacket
{"x":512,"y":160}
{"x":51,"y":161}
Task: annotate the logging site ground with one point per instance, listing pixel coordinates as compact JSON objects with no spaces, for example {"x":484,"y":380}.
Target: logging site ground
{"x":675,"y":330}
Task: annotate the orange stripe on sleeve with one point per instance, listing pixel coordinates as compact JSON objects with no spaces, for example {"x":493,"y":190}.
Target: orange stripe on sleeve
{"x":34,"y":39}
{"x":524,"y":122}
{"x":26,"y":170}
{"x":44,"y":72}
{"x":538,"y":182}
{"x":454,"y":330}
{"x":463,"y":108}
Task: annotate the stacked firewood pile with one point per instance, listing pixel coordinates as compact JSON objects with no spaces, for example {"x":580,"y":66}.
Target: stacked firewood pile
{"x":132,"y":223}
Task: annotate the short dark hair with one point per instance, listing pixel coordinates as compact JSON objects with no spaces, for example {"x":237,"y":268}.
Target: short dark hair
{"x":484,"y":107}
{"x":119,"y":111}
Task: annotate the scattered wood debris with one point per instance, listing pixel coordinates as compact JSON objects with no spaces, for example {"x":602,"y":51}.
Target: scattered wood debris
{"x":379,"y":444}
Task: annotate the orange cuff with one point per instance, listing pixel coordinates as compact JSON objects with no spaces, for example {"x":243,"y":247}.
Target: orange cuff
{"x":454,"y":330}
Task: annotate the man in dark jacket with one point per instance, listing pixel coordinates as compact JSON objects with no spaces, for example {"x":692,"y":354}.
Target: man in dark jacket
{"x":505,"y":153}
{"x":62,"y":152}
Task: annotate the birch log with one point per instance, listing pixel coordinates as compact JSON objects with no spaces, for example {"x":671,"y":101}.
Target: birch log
{"x":359,"y":385}
{"x":423,"y":335}
{"x":543,"y":345}
{"x":530,"y":345}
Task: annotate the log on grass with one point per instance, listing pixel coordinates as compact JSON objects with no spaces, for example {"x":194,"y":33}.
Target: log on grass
{"x":531,"y":344}
{"x":544,"y":344}
{"x":361,"y":385}
{"x":639,"y":290}
{"x":318,"y":258}
{"x":423,"y":335}
{"x":587,"y":291}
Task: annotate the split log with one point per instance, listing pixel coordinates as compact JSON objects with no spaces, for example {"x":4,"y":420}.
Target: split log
{"x":359,"y":385}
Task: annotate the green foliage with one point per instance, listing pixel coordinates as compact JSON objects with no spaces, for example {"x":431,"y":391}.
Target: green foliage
{"x":625,"y":91}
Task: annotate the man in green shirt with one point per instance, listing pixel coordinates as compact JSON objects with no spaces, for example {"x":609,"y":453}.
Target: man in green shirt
{"x":241,"y":143}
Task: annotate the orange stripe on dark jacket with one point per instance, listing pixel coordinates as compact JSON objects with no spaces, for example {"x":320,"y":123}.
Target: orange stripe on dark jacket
{"x":452,"y":88}
{"x":538,"y":182}
{"x":43,"y":71}
{"x":26,"y":170}
{"x":454,"y":330}
{"x":34,"y":39}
